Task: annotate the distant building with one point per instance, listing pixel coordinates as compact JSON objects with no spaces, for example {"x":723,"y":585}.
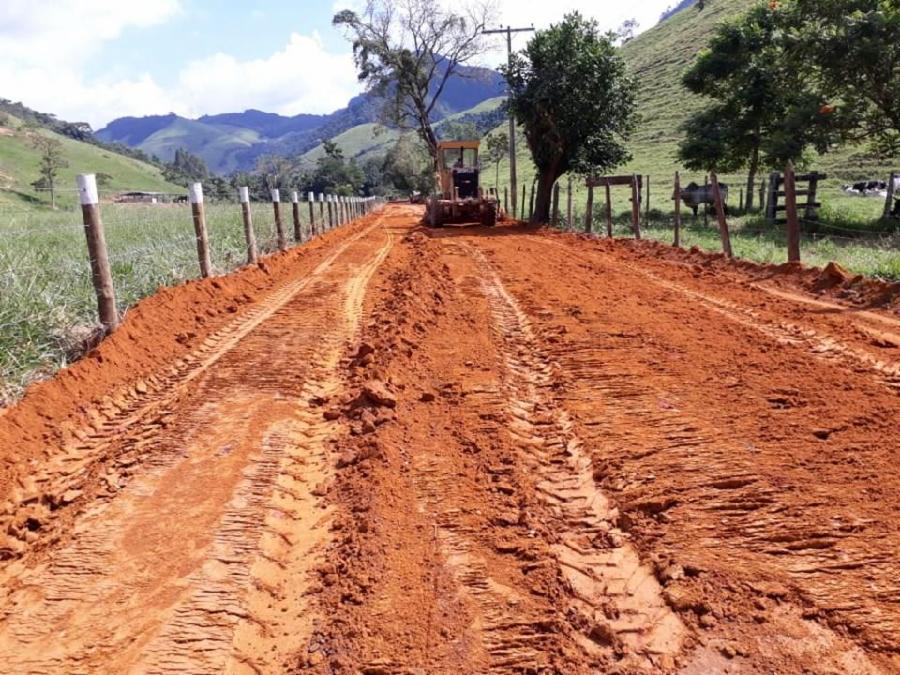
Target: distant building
{"x":139,"y":197}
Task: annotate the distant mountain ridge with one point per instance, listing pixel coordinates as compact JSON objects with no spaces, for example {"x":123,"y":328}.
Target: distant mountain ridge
{"x":230,"y":142}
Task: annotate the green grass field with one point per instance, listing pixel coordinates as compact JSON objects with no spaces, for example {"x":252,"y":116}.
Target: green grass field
{"x":657,"y":58}
{"x":46,"y":297}
{"x":19,"y":168}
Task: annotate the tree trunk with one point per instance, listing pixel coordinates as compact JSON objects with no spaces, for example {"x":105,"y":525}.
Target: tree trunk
{"x":751,"y":179}
{"x":544,"y":195}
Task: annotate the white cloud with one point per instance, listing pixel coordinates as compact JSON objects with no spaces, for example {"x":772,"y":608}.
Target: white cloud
{"x":71,"y":31}
{"x":45,"y":51}
{"x":301,"y":77}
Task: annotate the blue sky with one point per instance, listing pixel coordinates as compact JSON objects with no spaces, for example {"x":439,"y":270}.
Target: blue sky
{"x":95,"y":60}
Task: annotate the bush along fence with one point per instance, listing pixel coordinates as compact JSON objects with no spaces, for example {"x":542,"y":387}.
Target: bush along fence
{"x":713,"y":196}
{"x":340,"y":211}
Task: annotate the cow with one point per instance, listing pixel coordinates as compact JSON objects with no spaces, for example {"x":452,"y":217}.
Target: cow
{"x":694,"y":195}
{"x":867,"y":188}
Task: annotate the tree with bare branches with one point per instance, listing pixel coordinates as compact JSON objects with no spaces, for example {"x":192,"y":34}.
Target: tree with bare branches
{"x":407,"y":50}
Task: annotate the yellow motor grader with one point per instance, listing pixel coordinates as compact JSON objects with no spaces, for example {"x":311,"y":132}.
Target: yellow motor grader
{"x":461,"y":199}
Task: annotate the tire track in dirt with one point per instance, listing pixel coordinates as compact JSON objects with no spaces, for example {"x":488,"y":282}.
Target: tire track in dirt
{"x":686,"y":484}
{"x":823,"y":346}
{"x":616,"y":599}
{"x":231,"y":476}
{"x":121,"y":429}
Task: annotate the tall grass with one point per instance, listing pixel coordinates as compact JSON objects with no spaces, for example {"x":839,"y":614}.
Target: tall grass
{"x":46,"y":297}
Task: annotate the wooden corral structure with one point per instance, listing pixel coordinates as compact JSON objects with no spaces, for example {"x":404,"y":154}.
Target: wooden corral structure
{"x":634,"y":181}
{"x":776,"y":193}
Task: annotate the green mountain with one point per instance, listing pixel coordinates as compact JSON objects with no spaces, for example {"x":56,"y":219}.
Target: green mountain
{"x":19,"y":162}
{"x":231,"y":141}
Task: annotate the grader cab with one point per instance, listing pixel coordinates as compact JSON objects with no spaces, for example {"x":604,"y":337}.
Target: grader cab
{"x":461,"y":199}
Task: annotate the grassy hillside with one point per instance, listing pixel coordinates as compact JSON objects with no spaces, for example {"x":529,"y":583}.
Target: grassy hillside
{"x":658,"y":58}
{"x":369,"y":140}
{"x":216,"y":143}
{"x":19,"y":168}
{"x":359,"y":142}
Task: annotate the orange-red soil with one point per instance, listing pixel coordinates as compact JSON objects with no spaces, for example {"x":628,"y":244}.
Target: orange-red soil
{"x":464,"y":450}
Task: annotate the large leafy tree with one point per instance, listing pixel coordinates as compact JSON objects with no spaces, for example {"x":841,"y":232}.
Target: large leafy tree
{"x":51,"y":161}
{"x":407,"y":50}
{"x":570,"y":92}
{"x":852,"y":50}
{"x":185,"y":168}
{"x":762,"y":110}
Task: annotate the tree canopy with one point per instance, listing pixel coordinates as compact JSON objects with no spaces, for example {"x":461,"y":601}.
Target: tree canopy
{"x":764,"y":110}
{"x":407,"y":50}
{"x":570,"y":91}
{"x":851,"y":49}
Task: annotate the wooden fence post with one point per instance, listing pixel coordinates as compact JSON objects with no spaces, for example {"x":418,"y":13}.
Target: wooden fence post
{"x":705,"y":205}
{"x":741,"y":200}
{"x":762,"y":194}
{"x":523,"y":202}
{"x":772,"y":198}
{"x":891,"y":191}
{"x":322,"y":222}
{"x":554,"y":218}
{"x":720,"y":214}
{"x":647,"y":208}
{"x":279,"y":226}
{"x":531,"y":203}
{"x":589,"y":208}
{"x":609,"y":223}
{"x":676,"y":195}
{"x":295,"y":216}
{"x":635,"y":206}
{"x":569,"y":223}
{"x":195,"y":196}
{"x":249,"y":236}
{"x":793,"y":221}
{"x":311,"y":198}
{"x":101,"y":275}
{"x":811,"y":212}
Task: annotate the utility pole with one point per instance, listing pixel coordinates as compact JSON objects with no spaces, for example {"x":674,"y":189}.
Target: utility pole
{"x":512,"y":122}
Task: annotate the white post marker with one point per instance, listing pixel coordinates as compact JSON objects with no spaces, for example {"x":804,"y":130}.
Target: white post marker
{"x":87,"y":189}
{"x":101,"y":275}
{"x":195,"y":193}
{"x":249,"y":236}
{"x":195,"y":196}
{"x":294,"y":198}
{"x":279,"y":227}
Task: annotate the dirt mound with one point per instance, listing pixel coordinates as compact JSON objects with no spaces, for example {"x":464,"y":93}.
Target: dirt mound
{"x":833,"y":275}
{"x":155,"y":333}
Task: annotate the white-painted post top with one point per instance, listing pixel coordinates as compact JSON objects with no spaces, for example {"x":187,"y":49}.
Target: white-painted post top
{"x":87,"y":189}
{"x":321,"y":197}
{"x":311,"y":197}
{"x":276,"y":196}
{"x":244,"y":194}
{"x":195,"y":193}
{"x":294,"y":197}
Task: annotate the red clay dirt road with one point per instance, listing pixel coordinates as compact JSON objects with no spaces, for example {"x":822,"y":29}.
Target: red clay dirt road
{"x":396,"y":450}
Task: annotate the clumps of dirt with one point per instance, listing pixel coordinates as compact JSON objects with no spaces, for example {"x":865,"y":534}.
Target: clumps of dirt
{"x":154,"y":334}
{"x":833,"y":280}
{"x":368,"y":460}
{"x":833,"y":275}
